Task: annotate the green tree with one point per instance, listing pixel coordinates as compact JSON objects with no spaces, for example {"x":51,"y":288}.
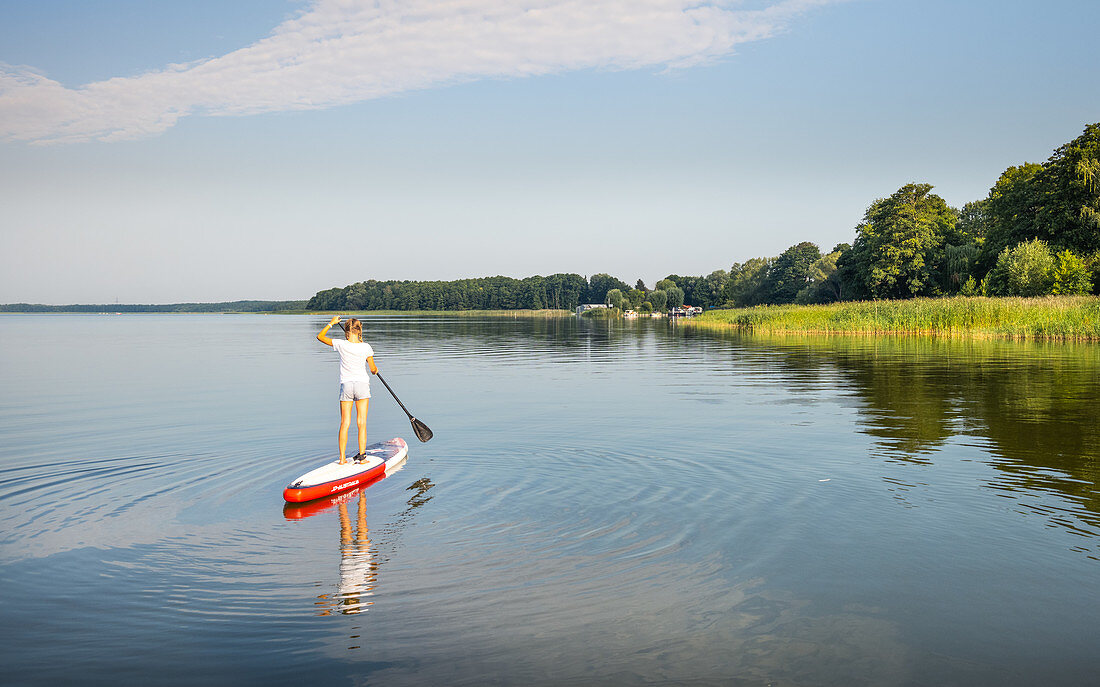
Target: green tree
{"x":1069,"y":214}
{"x":675,"y":297}
{"x":959,"y":264}
{"x":614,"y":298}
{"x":1057,"y":201}
{"x":1071,"y":276}
{"x":559,"y":291}
{"x":1092,"y":263}
{"x":962,"y":252}
{"x":600,"y":284}
{"x":659,"y":299}
{"x":972,"y":225}
{"x":823,"y":285}
{"x":694,"y":289}
{"x":790,"y":272}
{"x":897,"y":244}
{"x":746,"y":283}
{"x":329,"y":299}
{"x":715,"y":288}
{"x":666,"y":284}
{"x":1026,"y":269}
{"x":1011,"y":208}
{"x":356,"y":296}
{"x":565,"y":291}
{"x":848,"y":274}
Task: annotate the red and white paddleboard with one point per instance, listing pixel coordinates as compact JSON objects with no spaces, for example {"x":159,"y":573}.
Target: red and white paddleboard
{"x":334,"y":478}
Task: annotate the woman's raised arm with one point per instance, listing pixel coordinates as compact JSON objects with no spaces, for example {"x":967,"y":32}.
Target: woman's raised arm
{"x":322,"y":335}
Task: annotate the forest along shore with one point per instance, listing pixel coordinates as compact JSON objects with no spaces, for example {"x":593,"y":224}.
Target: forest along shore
{"x":1068,"y":318}
{"x":546,"y":313}
{"x":215,"y":309}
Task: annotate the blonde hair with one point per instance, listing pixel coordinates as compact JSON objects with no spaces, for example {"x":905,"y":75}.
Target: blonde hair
{"x":352,"y":326}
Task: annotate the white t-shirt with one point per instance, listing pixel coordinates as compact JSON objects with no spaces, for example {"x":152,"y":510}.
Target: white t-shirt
{"x":353,"y":360}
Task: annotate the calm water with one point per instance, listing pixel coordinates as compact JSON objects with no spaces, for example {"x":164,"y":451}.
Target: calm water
{"x":602,"y":504}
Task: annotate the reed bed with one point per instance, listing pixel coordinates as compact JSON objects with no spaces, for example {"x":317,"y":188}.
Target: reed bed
{"x":1075,"y":318}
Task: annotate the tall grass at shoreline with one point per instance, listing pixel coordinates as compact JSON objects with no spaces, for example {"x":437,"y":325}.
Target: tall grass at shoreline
{"x":1055,"y":317}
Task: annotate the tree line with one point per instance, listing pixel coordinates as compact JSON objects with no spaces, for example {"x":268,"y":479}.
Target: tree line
{"x":1037,"y":232}
{"x":558,"y":291}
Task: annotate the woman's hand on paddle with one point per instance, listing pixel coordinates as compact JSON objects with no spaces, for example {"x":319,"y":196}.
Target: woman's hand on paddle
{"x":321,"y":334}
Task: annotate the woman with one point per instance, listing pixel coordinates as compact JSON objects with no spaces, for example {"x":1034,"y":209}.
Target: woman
{"x":355,"y":356}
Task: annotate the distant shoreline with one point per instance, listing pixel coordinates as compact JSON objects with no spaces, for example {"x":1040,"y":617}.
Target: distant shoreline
{"x":255,"y":308}
{"x":546,"y":313}
{"x":1059,"y":318}
{"x":244,"y":306}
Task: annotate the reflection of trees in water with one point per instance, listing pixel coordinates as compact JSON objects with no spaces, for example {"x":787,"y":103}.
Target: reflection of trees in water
{"x":913,"y":397}
{"x":1029,"y":402}
{"x":530,"y":335}
{"x":475,"y":333}
{"x":1032,"y":404}
{"x":1041,"y":420}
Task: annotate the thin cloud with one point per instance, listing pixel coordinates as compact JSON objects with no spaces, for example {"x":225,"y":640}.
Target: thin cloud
{"x":340,"y":51}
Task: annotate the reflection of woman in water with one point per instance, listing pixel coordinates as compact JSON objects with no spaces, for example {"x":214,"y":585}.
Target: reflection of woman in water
{"x":357,"y":573}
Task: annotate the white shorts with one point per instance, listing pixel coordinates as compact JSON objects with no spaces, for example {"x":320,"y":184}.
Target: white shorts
{"x":354,"y":391}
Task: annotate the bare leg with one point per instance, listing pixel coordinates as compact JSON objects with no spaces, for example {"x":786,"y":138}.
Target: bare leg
{"x":345,"y":422}
{"x":361,"y":533}
{"x":361,"y":422}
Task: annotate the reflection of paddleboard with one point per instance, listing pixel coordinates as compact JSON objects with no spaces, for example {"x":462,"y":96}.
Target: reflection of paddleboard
{"x":334,"y":478}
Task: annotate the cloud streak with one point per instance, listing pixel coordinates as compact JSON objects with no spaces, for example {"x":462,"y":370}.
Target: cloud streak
{"x":341,"y":51}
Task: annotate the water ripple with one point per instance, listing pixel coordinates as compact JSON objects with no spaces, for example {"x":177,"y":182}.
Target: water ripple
{"x":601,"y":503}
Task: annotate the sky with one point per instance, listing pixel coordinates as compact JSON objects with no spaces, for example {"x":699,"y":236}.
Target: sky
{"x":159,"y":152}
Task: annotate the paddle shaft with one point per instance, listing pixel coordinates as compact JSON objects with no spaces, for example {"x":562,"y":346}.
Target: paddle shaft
{"x":423,"y":432}
{"x":379,"y":375}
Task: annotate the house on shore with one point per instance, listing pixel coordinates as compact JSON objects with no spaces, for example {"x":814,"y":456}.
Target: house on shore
{"x":589,"y":306}
{"x":685,"y":311}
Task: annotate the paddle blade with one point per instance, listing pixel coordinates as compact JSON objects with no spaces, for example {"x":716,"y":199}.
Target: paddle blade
{"x":421,"y":429}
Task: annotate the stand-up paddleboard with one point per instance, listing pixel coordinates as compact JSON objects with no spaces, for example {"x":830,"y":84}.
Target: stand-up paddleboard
{"x":334,"y":478}
{"x":299,"y":511}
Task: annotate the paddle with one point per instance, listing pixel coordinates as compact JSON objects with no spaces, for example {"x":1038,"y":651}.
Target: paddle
{"x":421,"y":429}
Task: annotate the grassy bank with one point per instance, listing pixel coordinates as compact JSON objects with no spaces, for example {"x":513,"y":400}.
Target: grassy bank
{"x":1055,"y":317}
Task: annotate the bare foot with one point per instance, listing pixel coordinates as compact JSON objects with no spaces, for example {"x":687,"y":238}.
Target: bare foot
{"x":342,"y":461}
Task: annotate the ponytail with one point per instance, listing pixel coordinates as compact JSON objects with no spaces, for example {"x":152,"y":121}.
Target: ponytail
{"x":352,"y":326}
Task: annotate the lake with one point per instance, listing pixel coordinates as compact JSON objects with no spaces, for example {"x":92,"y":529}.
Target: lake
{"x":603,"y":503}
